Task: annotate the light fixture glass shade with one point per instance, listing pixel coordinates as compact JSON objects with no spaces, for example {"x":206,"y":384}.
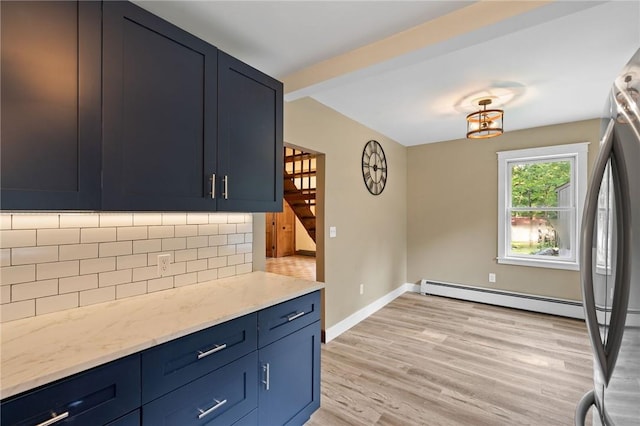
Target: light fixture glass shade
{"x":486,"y":123}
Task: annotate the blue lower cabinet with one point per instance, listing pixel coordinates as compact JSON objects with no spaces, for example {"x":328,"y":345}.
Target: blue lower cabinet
{"x":131,"y":419}
{"x":95,"y":397}
{"x":250,"y":419}
{"x":290,"y":383}
{"x":219,"y":398}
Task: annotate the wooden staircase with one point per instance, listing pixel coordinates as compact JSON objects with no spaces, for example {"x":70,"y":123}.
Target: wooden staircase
{"x":300,"y":187}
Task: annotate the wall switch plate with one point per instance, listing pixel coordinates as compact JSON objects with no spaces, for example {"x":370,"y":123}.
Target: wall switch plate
{"x":332,"y":232}
{"x":361,"y":288}
{"x":492,"y":277}
{"x":164,"y":260}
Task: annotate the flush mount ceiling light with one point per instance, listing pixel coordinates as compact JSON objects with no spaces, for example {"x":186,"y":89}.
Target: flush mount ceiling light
{"x":485,"y":123}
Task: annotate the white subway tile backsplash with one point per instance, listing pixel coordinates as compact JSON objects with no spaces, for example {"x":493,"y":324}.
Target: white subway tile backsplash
{"x":79,"y":283}
{"x":55,"y":261}
{"x":186,"y":255}
{"x":161,"y":231}
{"x":17,"y":274}
{"x":5,"y":220}
{"x":79,"y":220}
{"x":114,"y":278}
{"x":33,"y":290}
{"x":218,"y":240}
{"x":245,"y":268}
{"x":186,"y":230}
{"x":92,"y":266}
{"x":115,"y":249}
{"x":131,"y":233}
{"x":169,"y":244}
{"x":98,"y":295}
{"x":131,"y":289}
{"x":97,"y":235}
{"x":45,"y":305}
{"x":227,"y":271}
{"x":228,"y":228}
{"x":5,"y":294}
{"x":208,"y":275}
{"x":211,"y":229}
{"x":17,"y":238}
{"x":78,"y":251}
{"x":18,"y":310}
{"x":27,"y":255}
{"x":131,"y":261}
{"x":35,"y":221}
{"x":5,"y":257}
{"x":68,"y":268}
{"x":116,"y":219}
{"x":147,"y":246}
{"x":206,"y":252}
{"x":159,"y":284}
{"x":174,"y":218}
{"x":146,"y":219}
{"x":47,"y":237}
{"x":197,"y":218}
{"x":185,"y":279}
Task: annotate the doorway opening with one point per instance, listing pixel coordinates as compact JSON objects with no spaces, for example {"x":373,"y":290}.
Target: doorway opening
{"x":292,"y":245}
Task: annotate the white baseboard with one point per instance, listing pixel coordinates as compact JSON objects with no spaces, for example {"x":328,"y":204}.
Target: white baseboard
{"x":561,"y":307}
{"x":353,"y":319}
{"x":527,"y":302}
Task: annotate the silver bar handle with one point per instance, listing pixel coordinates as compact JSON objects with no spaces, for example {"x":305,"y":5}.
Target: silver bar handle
{"x":267,"y":378}
{"x":295,"y":316}
{"x":216,"y":348}
{"x":213,"y":186}
{"x":226,"y":187}
{"x":204,"y":413}
{"x":55,"y":419}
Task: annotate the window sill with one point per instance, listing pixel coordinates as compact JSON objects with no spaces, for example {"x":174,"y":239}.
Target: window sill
{"x":569,"y":266}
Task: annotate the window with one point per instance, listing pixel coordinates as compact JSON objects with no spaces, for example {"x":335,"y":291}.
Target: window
{"x":541,"y":192}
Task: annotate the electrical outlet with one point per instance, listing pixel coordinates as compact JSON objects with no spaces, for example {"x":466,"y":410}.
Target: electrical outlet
{"x":361,"y":288}
{"x":164,"y":260}
{"x":492,"y":277}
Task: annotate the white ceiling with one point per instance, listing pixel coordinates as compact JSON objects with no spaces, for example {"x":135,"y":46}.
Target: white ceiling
{"x":552,"y":64}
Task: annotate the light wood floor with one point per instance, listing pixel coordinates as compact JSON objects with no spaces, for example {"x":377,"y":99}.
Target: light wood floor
{"x":294,"y":266}
{"x":426,"y":360}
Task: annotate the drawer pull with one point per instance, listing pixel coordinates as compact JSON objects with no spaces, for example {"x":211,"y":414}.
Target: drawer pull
{"x":295,"y":316}
{"x":55,"y":419}
{"x":204,"y":413}
{"x":267,"y":379}
{"x":216,"y":348}
{"x":213,"y":186}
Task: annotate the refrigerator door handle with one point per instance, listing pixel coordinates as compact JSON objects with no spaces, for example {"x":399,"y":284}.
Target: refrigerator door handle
{"x":586,"y":259}
{"x":587,"y":400}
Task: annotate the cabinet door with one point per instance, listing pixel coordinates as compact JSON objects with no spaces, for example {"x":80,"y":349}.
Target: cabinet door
{"x":50,"y":110}
{"x":249,"y":138}
{"x":290,"y":368}
{"x":159,"y":131}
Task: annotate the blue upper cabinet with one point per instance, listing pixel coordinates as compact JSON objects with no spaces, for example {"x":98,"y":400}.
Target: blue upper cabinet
{"x":160,"y":97}
{"x":250,"y":151}
{"x":50,"y":110}
{"x":175,"y":126}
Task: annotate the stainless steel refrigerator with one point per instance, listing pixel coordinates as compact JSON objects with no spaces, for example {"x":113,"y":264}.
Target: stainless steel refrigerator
{"x":610,"y":259}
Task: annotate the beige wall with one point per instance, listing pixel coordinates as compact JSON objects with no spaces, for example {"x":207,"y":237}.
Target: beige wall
{"x":370,"y":247}
{"x":452,"y":211}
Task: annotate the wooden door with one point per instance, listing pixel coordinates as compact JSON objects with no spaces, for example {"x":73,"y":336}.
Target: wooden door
{"x":281,"y":232}
{"x":270,"y":226}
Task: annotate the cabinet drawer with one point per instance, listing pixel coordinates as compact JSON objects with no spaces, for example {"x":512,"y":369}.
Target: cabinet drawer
{"x":285,"y":318}
{"x":250,"y":419}
{"x":173,"y":364}
{"x":131,"y":419}
{"x":94,"y":397}
{"x":221,"y":397}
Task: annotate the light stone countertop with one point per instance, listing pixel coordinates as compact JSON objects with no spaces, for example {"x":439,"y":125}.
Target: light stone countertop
{"x":42,"y":349}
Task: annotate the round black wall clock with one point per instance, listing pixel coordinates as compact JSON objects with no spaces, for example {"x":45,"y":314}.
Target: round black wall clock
{"x":374,"y":167}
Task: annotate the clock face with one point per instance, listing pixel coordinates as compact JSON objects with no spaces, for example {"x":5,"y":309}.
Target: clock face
{"x":374,"y":167}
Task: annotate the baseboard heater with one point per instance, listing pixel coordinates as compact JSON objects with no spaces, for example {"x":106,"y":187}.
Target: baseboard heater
{"x":528,"y":302}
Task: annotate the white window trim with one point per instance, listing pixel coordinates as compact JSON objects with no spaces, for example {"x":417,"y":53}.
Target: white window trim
{"x":579,"y":152}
